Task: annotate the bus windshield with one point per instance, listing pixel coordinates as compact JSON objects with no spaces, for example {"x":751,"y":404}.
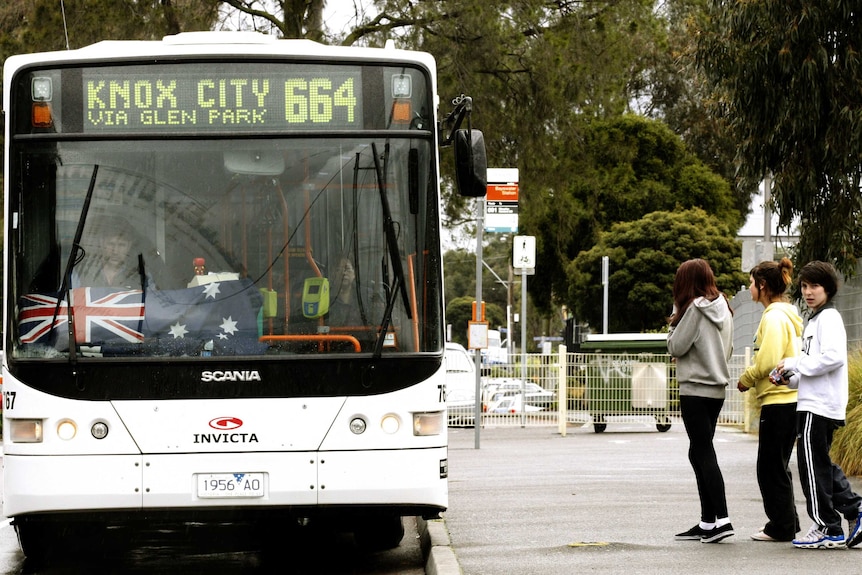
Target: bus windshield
{"x":153,"y":218}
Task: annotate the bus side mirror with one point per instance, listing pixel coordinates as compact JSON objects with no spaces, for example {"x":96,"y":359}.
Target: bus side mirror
{"x":471,"y":164}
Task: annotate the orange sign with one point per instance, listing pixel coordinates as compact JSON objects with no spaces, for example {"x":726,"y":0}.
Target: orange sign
{"x":502,"y":192}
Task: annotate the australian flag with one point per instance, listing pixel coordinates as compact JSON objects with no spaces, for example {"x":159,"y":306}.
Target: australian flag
{"x":117,"y":321}
{"x":215,"y":311}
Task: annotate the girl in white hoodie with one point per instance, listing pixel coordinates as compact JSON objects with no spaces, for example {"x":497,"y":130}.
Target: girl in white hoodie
{"x":820,"y":373}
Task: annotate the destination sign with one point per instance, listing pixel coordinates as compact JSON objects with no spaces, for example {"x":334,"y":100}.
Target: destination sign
{"x":182,"y":98}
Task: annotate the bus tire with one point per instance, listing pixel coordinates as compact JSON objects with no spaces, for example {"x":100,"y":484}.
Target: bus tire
{"x":43,"y":542}
{"x":379,"y":533}
{"x":39,"y":542}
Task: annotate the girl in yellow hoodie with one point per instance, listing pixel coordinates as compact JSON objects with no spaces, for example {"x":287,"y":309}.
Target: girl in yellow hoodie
{"x":778,"y":336}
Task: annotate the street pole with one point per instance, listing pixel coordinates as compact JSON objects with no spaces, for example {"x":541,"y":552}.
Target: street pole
{"x":605,"y":273}
{"x":477,"y":408}
{"x":510,"y":304}
{"x":523,"y":348}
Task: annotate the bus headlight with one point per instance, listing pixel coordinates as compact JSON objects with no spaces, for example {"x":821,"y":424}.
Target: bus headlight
{"x":25,"y":430}
{"x":67,"y":430}
{"x":428,"y":423}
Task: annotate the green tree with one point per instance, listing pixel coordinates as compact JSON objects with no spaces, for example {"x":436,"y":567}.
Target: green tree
{"x":676,"y":91}
{"x":643,"y":258}
{"x":544,"y":77}
{"x":620,"y":169}
{"x":284,"y":18}
{"x":41,"y":25}
{"x":533,"y":68}
{"x":788,"y":75}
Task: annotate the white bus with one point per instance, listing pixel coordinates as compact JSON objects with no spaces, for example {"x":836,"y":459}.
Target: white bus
{"x":223,"y":285}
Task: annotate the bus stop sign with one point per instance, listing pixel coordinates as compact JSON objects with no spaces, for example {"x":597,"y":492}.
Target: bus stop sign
{"x":524,"y":252}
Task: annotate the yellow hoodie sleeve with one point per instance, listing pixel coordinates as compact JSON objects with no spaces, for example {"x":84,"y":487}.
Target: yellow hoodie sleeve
{"x":772,"y":340}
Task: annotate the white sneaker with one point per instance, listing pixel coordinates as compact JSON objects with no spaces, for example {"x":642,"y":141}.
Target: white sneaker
{"x":816,"y":538}
{"x":855,"y":537}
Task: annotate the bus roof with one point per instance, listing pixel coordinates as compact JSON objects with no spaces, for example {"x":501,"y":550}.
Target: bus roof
{"x":223,"y":44}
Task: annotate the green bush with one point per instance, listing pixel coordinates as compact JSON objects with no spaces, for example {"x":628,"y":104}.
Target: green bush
{"x":847,"y":444}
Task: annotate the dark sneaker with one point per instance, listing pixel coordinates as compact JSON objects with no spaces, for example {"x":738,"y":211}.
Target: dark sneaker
{"x":693,"y":534}
{"x":855,"y":537}
{"x":717,"y":534}
{"x":816,"y":538}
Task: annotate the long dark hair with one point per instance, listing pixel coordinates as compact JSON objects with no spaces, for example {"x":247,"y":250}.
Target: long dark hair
{"x":693,"y":279}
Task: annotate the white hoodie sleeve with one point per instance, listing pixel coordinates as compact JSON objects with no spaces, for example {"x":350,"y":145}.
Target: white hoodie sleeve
{"x":824,"y":346}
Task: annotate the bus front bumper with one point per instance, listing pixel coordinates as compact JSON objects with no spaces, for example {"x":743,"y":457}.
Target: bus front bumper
{"x":405,"y":478}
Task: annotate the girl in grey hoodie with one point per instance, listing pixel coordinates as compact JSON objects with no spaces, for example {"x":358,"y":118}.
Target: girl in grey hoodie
{"x":700,"y":338}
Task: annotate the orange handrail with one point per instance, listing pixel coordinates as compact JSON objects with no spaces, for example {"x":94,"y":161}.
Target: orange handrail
{"x":412,"y":293}
{"x":318,"y":338}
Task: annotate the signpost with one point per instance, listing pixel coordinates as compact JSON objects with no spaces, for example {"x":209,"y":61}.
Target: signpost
{"x":500,"y":210}
{"x":501,"y":201}
{"x":524,"y":259}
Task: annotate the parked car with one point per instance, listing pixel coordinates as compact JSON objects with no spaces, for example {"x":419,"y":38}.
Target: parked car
{"x":510,"y":404}
{"x":460,"y":385}
{"x":536,"y":394}
{"x":461,"y":407}
{"x":460,"y":369}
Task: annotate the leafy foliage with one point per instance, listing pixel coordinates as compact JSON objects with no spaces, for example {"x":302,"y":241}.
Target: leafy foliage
{"x":624,"y":168}
{"x":38,"y":25}
{"x":283,"y":18}
{"x":677,"y":92}
{"x":533,"y":69}
{"x":788,"y":76}
{"x":847,"y":444}
{"x":644,"y":255}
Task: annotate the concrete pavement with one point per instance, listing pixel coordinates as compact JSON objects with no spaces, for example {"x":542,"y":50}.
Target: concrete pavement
{"x":530,"y":501}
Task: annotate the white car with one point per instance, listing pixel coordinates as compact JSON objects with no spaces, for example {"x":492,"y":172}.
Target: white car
{"x":460,"y":385}
{"x":536,"y":394}
{"x":510,"y":404}
{"x":460,"y":407}
{"x":460,"y":369}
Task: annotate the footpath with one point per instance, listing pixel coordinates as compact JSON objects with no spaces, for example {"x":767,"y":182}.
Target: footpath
{"x":531,"y":501}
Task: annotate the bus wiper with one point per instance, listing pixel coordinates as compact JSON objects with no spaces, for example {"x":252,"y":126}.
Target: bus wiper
{"x":70,"y":265}
{"x":399,"y":285}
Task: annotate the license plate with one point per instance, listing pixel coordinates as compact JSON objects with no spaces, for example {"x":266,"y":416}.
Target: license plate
{"x":230,"y":485}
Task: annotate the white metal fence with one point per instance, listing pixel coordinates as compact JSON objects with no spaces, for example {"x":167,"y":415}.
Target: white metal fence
{"x":597,"y":389}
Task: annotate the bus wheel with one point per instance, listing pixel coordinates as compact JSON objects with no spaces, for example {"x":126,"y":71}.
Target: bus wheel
{"x":38,"y":541}
{"x":378,"y":533}
{"x":45,"y":542}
